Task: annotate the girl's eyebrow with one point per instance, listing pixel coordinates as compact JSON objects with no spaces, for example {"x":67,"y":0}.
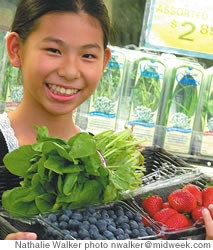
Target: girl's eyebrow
{"x":62,"y":43}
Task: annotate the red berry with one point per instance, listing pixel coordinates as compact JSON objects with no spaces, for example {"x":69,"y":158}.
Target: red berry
{"x":152,"y":205}
{"x":182,"y":201}
{"x":194,"y":190}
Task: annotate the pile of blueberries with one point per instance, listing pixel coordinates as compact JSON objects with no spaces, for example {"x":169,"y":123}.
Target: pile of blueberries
{"x":92,"y":223}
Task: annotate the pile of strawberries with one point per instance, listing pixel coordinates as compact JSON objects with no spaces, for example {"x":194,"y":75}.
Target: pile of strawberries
{"x":183,"y":208}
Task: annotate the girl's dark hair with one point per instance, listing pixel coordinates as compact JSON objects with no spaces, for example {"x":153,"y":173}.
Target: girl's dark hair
{"x":29,"y":11}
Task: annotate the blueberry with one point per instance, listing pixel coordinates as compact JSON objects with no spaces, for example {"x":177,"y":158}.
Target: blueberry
{"x":52,"y":218}
{"x":138,"y":217}
{"x":109,"y":221}
{"x":110,"y":212}
{"x":129,"y":214}
{"x":120,"y":237}
{"x":126,"y":236}
{"x":68,"y":212}
{"x":127,"y":231}
{"x":133,"y":224}
{"x":125,"y":226}
{"x":101,"y":223}
{"x":64,"y":217}
{"x":83,"y":233}
{"x":109,"y":235}
{"x":105,"y":216}
{"x":65,"y":231}
{"x":150,"y":231}
{"x":91,"y":209}
{"x":118,"y":207}
{"x":102,"y":228}
{"x":49,"y":230}
{"x":140,"y":224}
{"x":85,"y":224}
{"x":111,"y":228}
{"x":93,"y":227}
{"x":63,"y":225}
{"x":104,"y":211}
{"x":120,"y":213}
{"x":74,"y":224}
{"x":77,"y":216}
{"x":55,"y":233}
{"x":114,"y":216}
{"x":55,"y":224}
{"x":92,"y":220}
{"x":85,"y":217}
{"x":122,"y":219}
{"x":135,"y":233}
{"x":142,"y":233}
{"x":74,"y":234}
{"x":118,"y":231}
{"x":68,"y":237}
{"x":98,"y":237}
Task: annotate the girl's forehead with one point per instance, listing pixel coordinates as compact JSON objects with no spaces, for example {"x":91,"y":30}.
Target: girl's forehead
{"x":69,"y":17}
{"x":68,"y":23}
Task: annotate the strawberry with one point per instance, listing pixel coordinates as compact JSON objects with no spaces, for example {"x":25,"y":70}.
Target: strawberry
{"x":146,"y":221}
{"x":207,"y":195}
{"x":194,"y":190}
{"x":152,"y":204}
{"x":182,"y":201}
{"x":165,"y":205}
{"x":177,"y":221}
{"x":197,"y":214}
{"x":164,"y":214}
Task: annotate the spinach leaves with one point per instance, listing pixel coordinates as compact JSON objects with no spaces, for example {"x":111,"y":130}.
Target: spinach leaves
{"x":59,"y":174}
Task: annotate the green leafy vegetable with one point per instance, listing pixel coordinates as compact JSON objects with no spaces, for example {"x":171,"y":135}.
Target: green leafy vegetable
{"x":61,"y":174}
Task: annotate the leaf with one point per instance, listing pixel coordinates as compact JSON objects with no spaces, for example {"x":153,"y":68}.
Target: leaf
{"x":45,"y":202}
{"x":55,"y":163}
{"x":69,"y":182}
{"x":54,"y":148}
{"x":82,"y":145}
{"x":18,"y":161}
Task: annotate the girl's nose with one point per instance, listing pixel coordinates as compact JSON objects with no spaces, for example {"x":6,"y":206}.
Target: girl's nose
{"x":69,"y":69}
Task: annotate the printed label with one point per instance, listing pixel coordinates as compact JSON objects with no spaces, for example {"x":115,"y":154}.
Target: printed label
{"x":187,"y":27}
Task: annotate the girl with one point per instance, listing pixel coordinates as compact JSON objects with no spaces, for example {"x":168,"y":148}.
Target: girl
{"x":61,"y":48}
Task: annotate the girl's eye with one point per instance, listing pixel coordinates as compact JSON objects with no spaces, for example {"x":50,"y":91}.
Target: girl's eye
{"x":55,"y":51}
{"x":89,"y":56}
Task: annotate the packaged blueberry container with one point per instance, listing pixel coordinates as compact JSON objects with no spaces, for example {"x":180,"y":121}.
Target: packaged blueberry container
{"x":112,"y":221}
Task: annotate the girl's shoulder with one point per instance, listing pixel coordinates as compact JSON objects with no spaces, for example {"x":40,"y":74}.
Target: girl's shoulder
{"x":7,"y":133}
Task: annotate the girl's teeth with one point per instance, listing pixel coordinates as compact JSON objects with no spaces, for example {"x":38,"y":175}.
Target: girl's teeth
{"x":62,"y":91}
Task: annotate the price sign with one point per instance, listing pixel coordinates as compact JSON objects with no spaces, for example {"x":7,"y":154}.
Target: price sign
{"x":183,"y":27}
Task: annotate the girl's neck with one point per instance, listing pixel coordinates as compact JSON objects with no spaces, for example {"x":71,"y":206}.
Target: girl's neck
{"x":23,"y":119}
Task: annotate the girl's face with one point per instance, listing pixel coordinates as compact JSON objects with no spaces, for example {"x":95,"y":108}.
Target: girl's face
{"x":62,"y":61}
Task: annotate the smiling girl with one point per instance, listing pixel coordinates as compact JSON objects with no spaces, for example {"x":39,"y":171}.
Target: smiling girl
{"x":61,"y":48}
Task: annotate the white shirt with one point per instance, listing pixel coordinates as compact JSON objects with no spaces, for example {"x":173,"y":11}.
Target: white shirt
{"x":8,"y":132}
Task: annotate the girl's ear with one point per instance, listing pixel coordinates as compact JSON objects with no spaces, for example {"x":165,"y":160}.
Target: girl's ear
{"x":107,"y":57}
{"x":13,"y":48}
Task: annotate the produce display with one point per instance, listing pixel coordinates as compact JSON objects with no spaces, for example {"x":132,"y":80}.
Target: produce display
{"x":61,"y":174}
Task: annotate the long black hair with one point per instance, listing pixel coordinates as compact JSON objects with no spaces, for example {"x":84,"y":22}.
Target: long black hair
{"x":29,"y":11}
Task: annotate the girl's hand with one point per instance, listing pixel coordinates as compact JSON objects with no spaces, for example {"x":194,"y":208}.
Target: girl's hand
{"x":21,"y":236}
{"x":208,"y":220}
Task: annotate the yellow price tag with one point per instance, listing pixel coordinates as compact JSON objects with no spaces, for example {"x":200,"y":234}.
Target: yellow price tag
{"x":185,"y":27}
